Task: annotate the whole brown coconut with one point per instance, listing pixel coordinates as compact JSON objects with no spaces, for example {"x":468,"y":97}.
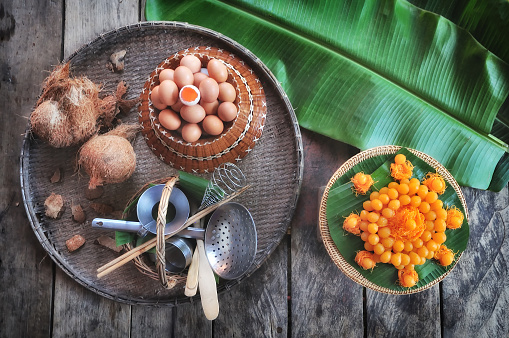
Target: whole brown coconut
{"x":109,"y":158}
{"x":70,"y":111}
{"x":67,"y":111}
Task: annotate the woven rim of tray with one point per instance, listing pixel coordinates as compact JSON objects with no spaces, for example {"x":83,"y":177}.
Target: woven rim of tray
{"x":331,"y":247}
{"x":239,"y":137}
{"x":34,"y":188}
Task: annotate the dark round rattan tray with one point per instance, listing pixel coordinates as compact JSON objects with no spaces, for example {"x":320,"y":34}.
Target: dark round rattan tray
{"x":274,"y":166}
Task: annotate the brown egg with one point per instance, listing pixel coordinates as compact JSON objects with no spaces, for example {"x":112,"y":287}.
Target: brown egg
{"x":191,"y":132}
{"x":210,"y":107}
{"x":156,"y":100}
{"x":212,"y":125}
{"x":209,"y":90}
{"x":198,"y":78}
{"x":192,"y":114}
{"x":169,"y":119}
{"x":217,"y":70}
{"x":176,"y":107}
{"x":183,"y":76}
{"x":227,"y":92}
{"x":227,"y":111}
{"x":168,"y":92}
{"x":166,"y":74}
{"x":191,"y":62}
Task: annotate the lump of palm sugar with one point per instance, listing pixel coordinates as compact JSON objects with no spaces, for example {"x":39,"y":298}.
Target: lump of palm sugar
{"x":54,"y":206}
{"x":92,"y":194}
{"x":75,"y":242}
{"x":102,"y":209}
{"x":78,"y":215}
{"x":117,"y":61}
{"x":108,"y":242}
{"x":57,"y":176}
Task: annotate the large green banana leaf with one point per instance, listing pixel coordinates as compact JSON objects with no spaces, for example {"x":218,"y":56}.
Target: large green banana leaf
{"x":486,"y":20}
{"x":372,"y":73}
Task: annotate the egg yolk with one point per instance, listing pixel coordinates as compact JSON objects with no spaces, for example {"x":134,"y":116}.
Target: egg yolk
{"x":189,"y":94}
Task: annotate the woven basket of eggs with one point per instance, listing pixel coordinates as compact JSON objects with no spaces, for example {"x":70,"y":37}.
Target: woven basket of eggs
{"x":201,"y":107}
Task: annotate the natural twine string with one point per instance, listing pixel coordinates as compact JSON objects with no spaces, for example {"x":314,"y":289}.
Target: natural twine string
{"x":161,"y":224}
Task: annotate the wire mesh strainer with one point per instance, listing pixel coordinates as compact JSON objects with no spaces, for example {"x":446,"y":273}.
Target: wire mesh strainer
{"x":230,"y":240}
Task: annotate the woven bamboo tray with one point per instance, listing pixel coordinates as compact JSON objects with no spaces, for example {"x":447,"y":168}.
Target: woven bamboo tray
{"x":239,"y":137}
{"x":271,"y":200}
{"x":353,"y":272}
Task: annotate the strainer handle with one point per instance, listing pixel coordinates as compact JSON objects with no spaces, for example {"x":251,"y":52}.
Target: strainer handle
{"x":190,"y":232}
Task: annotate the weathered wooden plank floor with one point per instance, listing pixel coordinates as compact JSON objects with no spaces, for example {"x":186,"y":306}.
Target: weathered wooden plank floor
{"x":298,"y":292}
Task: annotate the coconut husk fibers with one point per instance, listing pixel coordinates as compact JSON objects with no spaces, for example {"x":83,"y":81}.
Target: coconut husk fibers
{"x":70,"y":111}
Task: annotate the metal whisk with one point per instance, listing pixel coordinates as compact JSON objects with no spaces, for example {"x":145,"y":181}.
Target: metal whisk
{"x":226,"y":179}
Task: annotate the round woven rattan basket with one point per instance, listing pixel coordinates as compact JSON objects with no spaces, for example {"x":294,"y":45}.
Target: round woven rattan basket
{"x":234,"y":143}
{"x":144,"y":264}
{"x":338,"y":259}
{"x":271,"y":200}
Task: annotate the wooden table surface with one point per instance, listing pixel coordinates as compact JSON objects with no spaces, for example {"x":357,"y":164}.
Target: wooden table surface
{"x":298,"y":292}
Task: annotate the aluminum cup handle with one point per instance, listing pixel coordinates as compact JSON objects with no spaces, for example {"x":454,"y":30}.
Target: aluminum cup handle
{"x":114,"y":224}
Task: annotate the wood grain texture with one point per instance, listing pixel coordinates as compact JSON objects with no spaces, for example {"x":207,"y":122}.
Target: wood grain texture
{"x":191,"y":322}
{"x":476,"y":294}
{"x":30,"y":40}
{"x":415,"y":315}
{"x":158,"y":321}
{"x":262,"y":299}
{"x":85,"y":20}
{"x":79,"y":312}
{"x":324,"y":302}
